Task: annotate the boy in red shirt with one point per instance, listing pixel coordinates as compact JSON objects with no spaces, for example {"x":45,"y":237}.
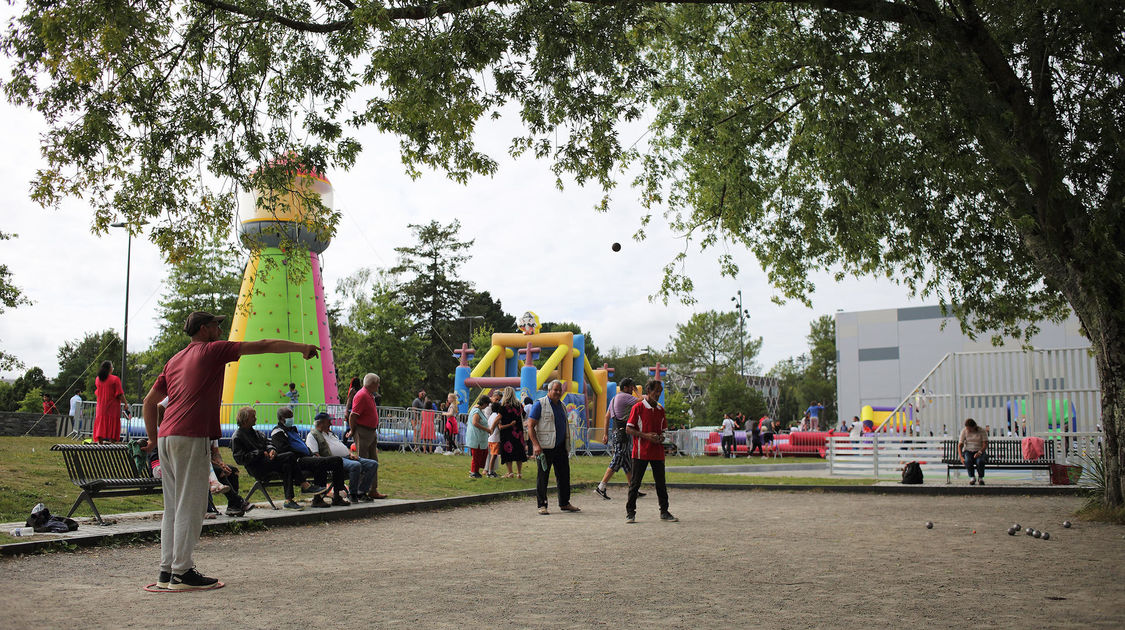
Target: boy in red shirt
{"x":647,"y":425}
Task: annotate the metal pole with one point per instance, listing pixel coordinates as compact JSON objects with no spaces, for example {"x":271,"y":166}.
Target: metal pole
{"x":125,"y":334}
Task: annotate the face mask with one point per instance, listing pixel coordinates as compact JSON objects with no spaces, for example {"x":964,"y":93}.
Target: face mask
{"x":290,"y":422}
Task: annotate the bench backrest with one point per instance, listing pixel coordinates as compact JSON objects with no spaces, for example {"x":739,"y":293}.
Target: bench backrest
{"x":90,"y":462}
{"x":1002,"y":451}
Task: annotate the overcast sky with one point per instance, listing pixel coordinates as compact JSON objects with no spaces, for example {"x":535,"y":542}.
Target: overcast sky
{"x":535,"y":248}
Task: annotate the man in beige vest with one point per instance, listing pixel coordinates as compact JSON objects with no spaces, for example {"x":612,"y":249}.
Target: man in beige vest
{"x":548,"y":430}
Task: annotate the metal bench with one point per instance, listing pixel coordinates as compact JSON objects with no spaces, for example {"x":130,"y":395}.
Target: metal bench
{"x":1002,"y":453}
{"x":104,"y":470}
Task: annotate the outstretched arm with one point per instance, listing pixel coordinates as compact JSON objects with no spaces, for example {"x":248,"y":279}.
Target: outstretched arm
{"x":279,"y":346}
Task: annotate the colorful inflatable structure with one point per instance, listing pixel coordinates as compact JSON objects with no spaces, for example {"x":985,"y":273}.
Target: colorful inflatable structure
{"x":273,"y":304}
{"x":511,"y":361}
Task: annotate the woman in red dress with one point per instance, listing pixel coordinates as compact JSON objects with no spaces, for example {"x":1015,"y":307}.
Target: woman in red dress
{"x":110,"y":395}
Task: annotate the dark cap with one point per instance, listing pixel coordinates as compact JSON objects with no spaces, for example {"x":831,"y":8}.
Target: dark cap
{"x":199,"y":319}
{"x":321,"y":416}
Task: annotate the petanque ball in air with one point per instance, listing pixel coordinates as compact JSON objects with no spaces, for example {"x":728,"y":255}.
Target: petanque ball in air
{"x":1046,"y":536}
{"x":1066,"y":524}
{"x":616,"y":247}
{"x":929,"y":525}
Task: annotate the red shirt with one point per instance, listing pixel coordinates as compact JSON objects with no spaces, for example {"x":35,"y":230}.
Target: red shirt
{"x":647,"y":419}
{"x":193,"y":380}
{"x":363,"y":406}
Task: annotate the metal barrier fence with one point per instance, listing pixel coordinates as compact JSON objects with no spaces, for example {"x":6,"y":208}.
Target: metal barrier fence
{"x":882,"y":455}
{"x":406,"y":428}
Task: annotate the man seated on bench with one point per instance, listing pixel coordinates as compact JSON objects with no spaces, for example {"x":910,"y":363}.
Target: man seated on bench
{"x":361,"y":471}
{"x":286,"y":439}
{"x":253,"y":450}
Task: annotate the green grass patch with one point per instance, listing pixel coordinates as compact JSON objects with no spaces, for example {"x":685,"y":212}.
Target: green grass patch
{"x":30,"y":473}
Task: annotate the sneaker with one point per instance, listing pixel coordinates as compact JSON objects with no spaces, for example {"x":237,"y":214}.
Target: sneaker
{"x":601,"y":493}
{"x":246,"y":507}
{"x":972,"y":481}
{"x":339,"y":500}
{"x":314,"y":489}
{"x":165,"y":579}
{"x":544,"y":511}
{"x":190,"y":581}
{"x":667,"y":516}
{"x":290,"y":504}
{"x":493,"y":475}
{"x":475,"y":475}
{"x":232,"y":512}
{"x":642,"y":494}
{"x":980,"y":482}
{"x":363,"y":498}
{"x":319,"y":502}
{"x":630,"y":519}
{"x":218,"y":488}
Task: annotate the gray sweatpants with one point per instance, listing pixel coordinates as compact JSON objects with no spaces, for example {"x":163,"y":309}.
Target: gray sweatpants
{"x":185,"y":464}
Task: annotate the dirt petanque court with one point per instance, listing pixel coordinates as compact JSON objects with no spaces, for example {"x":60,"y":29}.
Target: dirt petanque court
{"x":736,"y":559}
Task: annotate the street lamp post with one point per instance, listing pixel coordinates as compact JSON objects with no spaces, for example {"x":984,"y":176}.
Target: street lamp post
{"x":471,"y":318}
{"x":743,"y":314}
{"x":128,"y":262}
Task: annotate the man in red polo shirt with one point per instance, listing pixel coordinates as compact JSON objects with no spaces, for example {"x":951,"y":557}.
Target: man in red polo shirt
{"x":364,"y":423}
{"x":193,"y":382}
{"x":647,"y":425}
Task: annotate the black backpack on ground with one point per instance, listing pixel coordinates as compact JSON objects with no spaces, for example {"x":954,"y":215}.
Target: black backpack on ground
{"x":912,"y":473}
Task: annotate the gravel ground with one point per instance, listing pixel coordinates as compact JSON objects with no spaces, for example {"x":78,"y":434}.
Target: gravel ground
{"x":736,"y":559}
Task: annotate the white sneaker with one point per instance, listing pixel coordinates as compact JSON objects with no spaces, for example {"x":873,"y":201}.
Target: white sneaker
{"x":218,"y":488}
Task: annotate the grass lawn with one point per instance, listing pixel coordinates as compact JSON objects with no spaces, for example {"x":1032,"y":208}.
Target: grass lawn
{"x":30,"y":473}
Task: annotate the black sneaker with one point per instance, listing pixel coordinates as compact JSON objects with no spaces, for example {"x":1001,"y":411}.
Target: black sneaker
{"x":339,"y":500}
{"x":363,"y":498}
{"x":630,"y":518}
{"x":475,"y":475}
{"x":601,"y":493}
{"x":290,"y":504}
{"x":165,"y":579}
{"x":314,"y":489}
{"x":319,"y":502}
{"x":230,"y":512}
{"x":191,"y":581}
{"x":667,"y":516}
{"x":642,"y":494}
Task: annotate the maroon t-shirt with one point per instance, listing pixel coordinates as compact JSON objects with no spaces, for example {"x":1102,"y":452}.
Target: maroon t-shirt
{"x":363,"y":406}
{"x":193,"y":380}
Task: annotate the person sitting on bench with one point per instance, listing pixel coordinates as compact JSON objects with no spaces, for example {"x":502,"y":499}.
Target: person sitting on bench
{"x":252,"y":450}
{"x":361,"y":471}
{"x":286,"y":439}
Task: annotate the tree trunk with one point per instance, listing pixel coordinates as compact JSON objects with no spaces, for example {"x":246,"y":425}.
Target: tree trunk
{"x":1111,"y":371}
{"x":1104,"y":321}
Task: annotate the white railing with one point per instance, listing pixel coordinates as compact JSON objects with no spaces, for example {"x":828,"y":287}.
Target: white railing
{"x":1011,"y":392}
{"x":876,"y":455}
{"x":882,"y":455}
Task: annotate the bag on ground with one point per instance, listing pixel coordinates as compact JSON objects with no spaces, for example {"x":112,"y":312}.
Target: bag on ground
{"x":912,"y":473}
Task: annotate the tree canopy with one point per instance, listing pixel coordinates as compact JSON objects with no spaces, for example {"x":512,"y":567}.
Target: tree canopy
{"x":972,"y":149}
